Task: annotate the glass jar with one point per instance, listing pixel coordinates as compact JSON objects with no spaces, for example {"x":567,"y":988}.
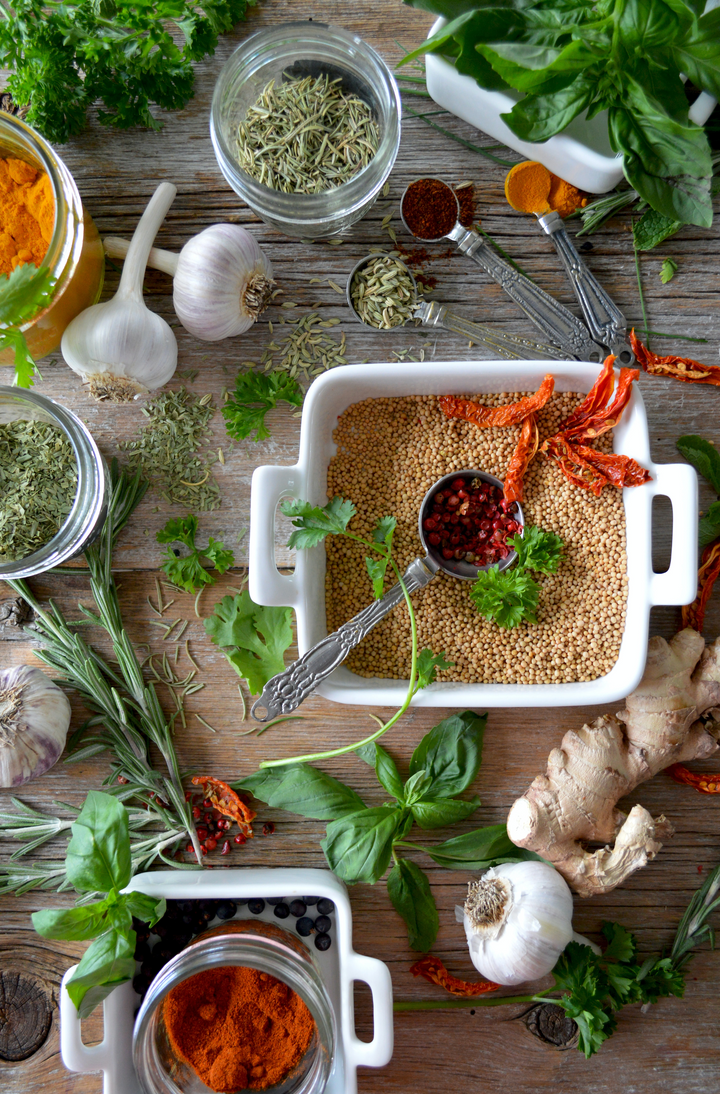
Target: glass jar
{"x":306,"y":49}
{"x":256,"y":945}
{"x":75,"y":253}
{"x":87,"y":515}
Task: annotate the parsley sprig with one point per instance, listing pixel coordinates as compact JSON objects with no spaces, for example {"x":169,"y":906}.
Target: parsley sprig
{"x":254,"y":638}
{"x":510,"y":597}
{"x":22,"y":294}
{"x":255,"y":393}
{"x":187,"y":571}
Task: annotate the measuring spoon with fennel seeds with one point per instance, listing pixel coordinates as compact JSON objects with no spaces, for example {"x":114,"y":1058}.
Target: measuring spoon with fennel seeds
{"x":286,"y":691}
{"x":549,"y":315}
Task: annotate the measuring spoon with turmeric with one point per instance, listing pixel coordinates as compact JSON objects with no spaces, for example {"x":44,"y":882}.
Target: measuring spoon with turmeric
{"x":430,"y":211}
{"x":527,"y":189}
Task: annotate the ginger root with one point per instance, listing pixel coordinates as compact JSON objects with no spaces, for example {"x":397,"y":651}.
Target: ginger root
{"x":574,"y":801}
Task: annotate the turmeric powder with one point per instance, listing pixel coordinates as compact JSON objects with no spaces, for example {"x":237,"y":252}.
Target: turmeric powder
{"x":531,"y":188}
{"x":27,"y":214}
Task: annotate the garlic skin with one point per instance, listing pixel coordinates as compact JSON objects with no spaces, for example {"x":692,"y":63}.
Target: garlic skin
{"x":518,"y":920}
{"x":222,"y":280}
{"x":34,"y":721}
{"x":121,"y":348}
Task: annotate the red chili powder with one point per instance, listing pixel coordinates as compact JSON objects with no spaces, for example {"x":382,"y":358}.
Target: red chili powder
{"x":466,"y":201}
{"x":237,"y":1028}
{"x":429,"y":208}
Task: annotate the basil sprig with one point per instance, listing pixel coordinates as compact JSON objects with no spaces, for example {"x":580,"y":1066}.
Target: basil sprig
{"x":99,"y":861}
{"x":362,"y":841}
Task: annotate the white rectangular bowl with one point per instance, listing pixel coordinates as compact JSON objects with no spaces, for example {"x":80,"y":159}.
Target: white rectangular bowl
{"x":340,"y":966}
{"x":304,"y":590}
{"x":581,"y":154}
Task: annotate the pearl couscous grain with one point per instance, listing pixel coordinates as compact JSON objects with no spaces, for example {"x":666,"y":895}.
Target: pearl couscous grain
{"x":389,"y":454}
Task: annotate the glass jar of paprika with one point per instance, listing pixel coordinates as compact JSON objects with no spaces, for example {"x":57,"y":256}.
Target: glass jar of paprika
{"x":75,"y":251}
{"x":246,"y":944}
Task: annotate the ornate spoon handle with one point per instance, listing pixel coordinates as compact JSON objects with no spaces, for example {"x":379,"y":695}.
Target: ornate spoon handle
{"x":509,"y":346}
{"x":286,"y":691}
{"x":605,"y":320}
{"x":549,"y":315}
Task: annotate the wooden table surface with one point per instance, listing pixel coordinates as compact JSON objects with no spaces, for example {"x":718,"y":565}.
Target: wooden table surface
{"x":673,"y":1048}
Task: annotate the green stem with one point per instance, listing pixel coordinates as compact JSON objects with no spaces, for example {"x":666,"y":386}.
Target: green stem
{"x":640,"y":290}
{"x":461,"y":140}
{"x":454,"y":1004}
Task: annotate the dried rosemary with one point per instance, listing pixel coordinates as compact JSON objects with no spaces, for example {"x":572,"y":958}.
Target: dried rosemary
{"x":166,"y":450}
{"x":383,"y":293}
{"x":306,"y":136}
{"x":38,"y":483}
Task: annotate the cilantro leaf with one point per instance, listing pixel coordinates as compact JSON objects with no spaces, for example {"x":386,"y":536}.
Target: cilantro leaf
{"x":427,"y":665}
{"x":377,"y":567}
{"x":187,"y":571}
{"x":509,"y":597}
{"x":537,"y":550}
{"x":255,"y":393}
{"x":667,"y":270}
{"x":314,"y":522}
{"x":252,"y":637}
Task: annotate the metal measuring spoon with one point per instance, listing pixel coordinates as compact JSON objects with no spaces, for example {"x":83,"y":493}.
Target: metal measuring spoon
{"x":286,"y":691}
{"x":549,"y":315}
{"x":432,"y":314}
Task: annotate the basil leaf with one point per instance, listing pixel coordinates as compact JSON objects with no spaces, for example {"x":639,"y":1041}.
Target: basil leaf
{"x":385,"y":768}
{"x":539,"y":117}
{"x":147,"y":908}
{"x":703,"y":456}
{"x":682,"y":197}
{"x":479,"y":849}
{"x":302,"y":789}
{"x":109,"y":961}
{"x":417,"y":785}
{"x":358,"y":847}
{"x":709,"y":528}
{"x":98,"y":856}
{"x":437,"y":814}
{"x":451,"y":753}
{"x":72,"y":924}
{"x":409,"y":891}
{"x":698,"y":53}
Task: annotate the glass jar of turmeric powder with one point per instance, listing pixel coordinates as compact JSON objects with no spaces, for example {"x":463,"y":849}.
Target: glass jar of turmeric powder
{"x":195,"y":1002}
{"x":52,"y":224}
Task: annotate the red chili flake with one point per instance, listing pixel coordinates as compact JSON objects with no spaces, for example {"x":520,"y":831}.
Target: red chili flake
{"x":268,"y":828}
{"x":222,"y":797}
{"x":706,"y":784}
{"x":521,"y":458}
{"x":486,"y":416}
{"x":679,"y":368}
{"x":693,"y":615}
{"x":432,"y":969}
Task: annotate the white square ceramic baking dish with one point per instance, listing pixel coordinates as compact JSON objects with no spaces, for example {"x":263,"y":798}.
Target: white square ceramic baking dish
{"x":304,"y":590}
{"x":340,"y":966}
{"x":581,"y":154}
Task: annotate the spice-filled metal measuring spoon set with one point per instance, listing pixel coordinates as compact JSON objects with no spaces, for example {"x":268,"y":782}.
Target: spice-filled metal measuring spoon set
{"x":430,"y":211}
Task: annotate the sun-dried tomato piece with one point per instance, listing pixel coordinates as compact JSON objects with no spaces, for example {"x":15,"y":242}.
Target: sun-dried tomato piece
{"x":486,"y":416}
{"x":432,"y":969}
{"x":572,"y":465}
{"x":524,"y":452}
{"x":693,"y":615}
{"x":706,"y":784}
{"x":600,"y":421}
{"x":618,"y":469}
{"x":596,"y":398}
{"x":226,"y":801}
{"x":680,"y":368}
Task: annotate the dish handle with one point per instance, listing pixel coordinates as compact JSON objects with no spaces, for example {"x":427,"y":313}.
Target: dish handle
{"x":112,"y":1054}
{"x":378,"y":1052}
{"x":678,"y":585}
{"x":269,"y":486}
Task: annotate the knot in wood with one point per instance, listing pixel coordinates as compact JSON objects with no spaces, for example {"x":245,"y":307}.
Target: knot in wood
{"x":25,"y":1016}
{"x":551,"y":1024}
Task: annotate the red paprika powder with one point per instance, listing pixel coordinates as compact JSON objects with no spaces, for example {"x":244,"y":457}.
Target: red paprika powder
{"x":430,"y":208}
{"x":237,"y":1028}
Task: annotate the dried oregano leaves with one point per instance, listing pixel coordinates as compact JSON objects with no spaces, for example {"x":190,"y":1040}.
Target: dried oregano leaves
{"x":38,"y":482}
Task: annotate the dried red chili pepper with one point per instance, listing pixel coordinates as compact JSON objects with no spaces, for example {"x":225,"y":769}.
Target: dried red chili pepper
{"x":596,"y":398}
{"x":432,"y":969}
{"x":680,"y":368}
{"x":706,"y":784}
{"x":693,"y":615}
{"x":520,"y":460}
{"x":486,"y":416}
{"x":618,"y":469}
{"x":572,"y":465}
{"x":600,"y":421}
{"x":226,"y":801}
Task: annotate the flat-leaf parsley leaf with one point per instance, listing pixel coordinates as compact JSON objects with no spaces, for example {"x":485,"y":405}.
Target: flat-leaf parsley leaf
{"x":255,"y":393}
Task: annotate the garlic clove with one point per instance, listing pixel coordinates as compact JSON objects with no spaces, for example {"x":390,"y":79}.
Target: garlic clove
{"x":34,"y":720}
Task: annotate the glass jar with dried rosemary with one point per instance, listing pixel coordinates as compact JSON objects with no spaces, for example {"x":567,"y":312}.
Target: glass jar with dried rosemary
{"x":305,"y":123}
{"x":53,"y":484}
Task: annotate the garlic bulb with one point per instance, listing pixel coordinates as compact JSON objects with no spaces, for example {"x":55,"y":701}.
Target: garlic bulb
{"x":222,"y":280}
{"x":120,"y":347}
{"x":518,"y":920}
{"x":34,"y":720}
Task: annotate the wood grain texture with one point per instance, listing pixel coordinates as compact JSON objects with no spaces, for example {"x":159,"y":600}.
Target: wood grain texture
{"x":674,"y":1047}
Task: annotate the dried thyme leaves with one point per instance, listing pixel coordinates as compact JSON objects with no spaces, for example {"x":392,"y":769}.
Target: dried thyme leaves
{"x":167,"y":450}
{"x":38,"y":483}
{"x":383,"y":293}
{"x":306,"y":136}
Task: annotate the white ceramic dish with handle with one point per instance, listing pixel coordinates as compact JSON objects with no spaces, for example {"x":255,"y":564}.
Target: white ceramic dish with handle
{"x":304,"y":590}
{"x":340,"y":966}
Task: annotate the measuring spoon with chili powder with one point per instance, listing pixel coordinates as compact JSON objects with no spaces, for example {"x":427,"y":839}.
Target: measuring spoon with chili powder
{"x":459,"y":549}
{"x":430,"y":211}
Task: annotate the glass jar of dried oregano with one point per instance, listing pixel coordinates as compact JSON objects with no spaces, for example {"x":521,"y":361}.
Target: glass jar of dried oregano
{"x":53,"y":484}
{"x":305,"y":123}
